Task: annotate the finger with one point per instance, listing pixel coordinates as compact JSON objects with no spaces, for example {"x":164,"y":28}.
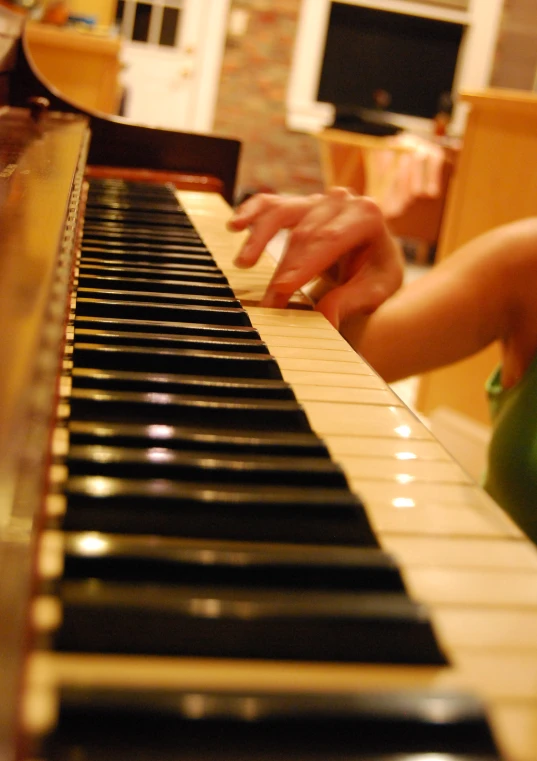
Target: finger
{"x":323,"y":237}
{"x":350,"y":300}
{"x":265,"y":219}
{"x":364,"y":292}
{"x":244,"y":214}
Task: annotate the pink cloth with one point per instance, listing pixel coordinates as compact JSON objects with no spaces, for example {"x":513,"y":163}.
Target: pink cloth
{"x":409,"y":167}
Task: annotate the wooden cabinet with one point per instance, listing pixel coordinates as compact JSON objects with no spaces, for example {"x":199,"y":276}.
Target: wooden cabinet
{"x":495,"y":182}
{"x":83,"y":66}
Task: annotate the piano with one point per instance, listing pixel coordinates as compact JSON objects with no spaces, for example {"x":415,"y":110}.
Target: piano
{"x":222,"y":535}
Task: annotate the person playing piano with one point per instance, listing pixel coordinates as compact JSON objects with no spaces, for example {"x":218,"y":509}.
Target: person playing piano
{"x":485,"y":291}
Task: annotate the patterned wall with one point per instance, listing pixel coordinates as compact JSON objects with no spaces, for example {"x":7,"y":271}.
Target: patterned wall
{"x":251,"y":102}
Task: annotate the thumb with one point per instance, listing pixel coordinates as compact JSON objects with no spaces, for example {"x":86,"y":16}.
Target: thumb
{"x":354,"y":298}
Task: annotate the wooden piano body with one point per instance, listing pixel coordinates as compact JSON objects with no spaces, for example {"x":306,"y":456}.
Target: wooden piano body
{"x":457,"y":552}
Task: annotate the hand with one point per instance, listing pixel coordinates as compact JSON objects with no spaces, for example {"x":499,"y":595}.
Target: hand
{"x":337,"y":233}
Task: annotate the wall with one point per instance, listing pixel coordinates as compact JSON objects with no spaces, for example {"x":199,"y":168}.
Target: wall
{"x":251,"y":101}
{"x":516,"y":52}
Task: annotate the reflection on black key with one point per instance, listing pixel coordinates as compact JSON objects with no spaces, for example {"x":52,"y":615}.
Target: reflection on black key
{"x":197,"y":313}
{"x":191,"y":328}
{"x":237,"y":622}
{"x":119,"y":380}
{"x":181,"y":438}
{"x":126,"y":338}
{"x":218,"y":362}
{"x":245,"y":564}
{"x":208,"y":509}
{"x":159,"y":462}
{"x":407,"y":725}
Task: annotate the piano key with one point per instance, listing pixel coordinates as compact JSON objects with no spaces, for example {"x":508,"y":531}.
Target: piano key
{"x":157,"y":290}
{"x":196,"y":313}
{"x":123,"y":434}
{"x":241,"y":726}
{"x":189,"y":361}
{"x":159,"y":462}
{"x":136,"y":234}
{"x":176,"y":328}
{"x":156,"y":272}
{"x":168,"y":340}
{"x":234,"y":622}
{"x":111,"y":202}
{"x":192,"y":249}
{"x":134,"y":217}
{"x":198,"y":262}
{"x":301,"y":514}
{"x":187,"y":384}
{"x":184,"y":295}
{"x":205,"y":412}
{"x":74,"y":555}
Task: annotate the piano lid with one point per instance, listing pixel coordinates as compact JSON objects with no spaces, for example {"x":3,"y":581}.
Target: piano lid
{"x":116,"y":142}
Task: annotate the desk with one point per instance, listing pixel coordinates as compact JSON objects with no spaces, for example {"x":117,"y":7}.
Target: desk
{"x":82,"y":66}
{"x":344,"y":161}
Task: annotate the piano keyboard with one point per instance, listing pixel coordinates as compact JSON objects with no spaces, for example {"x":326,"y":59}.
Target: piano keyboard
{"x":252,"y":548}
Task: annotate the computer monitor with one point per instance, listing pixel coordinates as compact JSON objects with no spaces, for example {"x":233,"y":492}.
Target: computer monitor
{"x":378,"y":63}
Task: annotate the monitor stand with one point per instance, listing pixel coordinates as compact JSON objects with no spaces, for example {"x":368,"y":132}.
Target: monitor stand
{"x":357,"y":123}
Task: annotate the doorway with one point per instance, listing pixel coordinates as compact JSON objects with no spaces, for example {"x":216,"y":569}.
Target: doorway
{"x":172,"y":56}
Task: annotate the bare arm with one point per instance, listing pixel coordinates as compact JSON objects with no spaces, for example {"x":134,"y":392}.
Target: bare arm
{"x":485,"y":291}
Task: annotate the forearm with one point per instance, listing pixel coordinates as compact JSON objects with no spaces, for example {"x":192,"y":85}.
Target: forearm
{"x":482,"y":293}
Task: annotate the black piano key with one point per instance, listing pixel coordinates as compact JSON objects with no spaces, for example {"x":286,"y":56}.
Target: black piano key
{"x":156,"y":298}
{"x":154,"y":272}
{"x":235,"y":622}
{"x":190,"y":362}
{"x":173,"y":561}
{"x":97,"y":203}
{"x":138,"y":234}
{"x":117,"y":380}
{"x":176,"y":328}
{"x":203,"y":412}
{"x":129,"y":188}
{"x":196,"y":313}
{"x":311,"y":515}
{"x":208,"y":467}
{"x":147,"y":724}
{"x":112,"y":337}
{"x":136,"y":217}
{"x":191,"y":248}
{"x":127,"y":434}
{"x":149,"y":258}
{"x":169,"y":288}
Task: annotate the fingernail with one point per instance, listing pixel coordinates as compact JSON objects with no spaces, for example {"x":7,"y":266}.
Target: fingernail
{"x":241,"y":262}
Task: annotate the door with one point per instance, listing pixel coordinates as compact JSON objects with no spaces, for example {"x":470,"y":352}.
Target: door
{"x":172,"y":58}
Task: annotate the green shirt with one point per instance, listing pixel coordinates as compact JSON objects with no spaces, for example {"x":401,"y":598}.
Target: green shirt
{"x":512,"y":468}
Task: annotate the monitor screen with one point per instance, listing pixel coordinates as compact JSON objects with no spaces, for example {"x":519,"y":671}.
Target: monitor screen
{"x":396,"y":62}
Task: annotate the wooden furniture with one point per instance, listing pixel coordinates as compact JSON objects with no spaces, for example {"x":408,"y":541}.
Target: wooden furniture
{"x":495,"y":182}
{"x":82,"y":66}
{"x":344,"y":157}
